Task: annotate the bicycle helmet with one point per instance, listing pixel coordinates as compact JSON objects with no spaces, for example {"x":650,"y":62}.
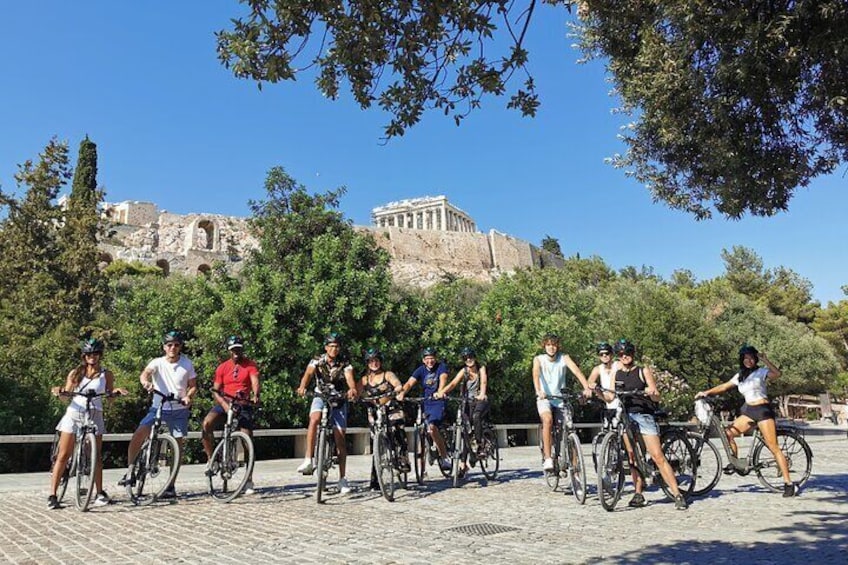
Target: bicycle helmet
{"x":333,"y":337}
{"x":235,"y":342}
{"x":373,"y":353}
{"x":427,"y":351}
{"x":603,"y":346}
{"x":624,"y":347}
{"x":173,"y":336}
{"x":92,"y":345}
{"x":467,"y":352}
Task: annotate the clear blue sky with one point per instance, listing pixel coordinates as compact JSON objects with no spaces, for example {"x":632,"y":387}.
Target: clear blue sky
{"x":174,"y":127}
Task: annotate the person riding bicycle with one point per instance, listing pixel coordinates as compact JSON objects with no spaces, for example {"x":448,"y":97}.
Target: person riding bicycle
{"x":236,"y":377}
{"x":605,"y":373}
{"x":89,"y":375}
{"x":751,"y":381}
{"x":474,"y":381}
{"x":173,"y":373}
{"x":433,"y":375}
{"x":332,"y":372}
{"x":640,"y":409}
{"x":549,"y":372}
{"x":377,"y":381}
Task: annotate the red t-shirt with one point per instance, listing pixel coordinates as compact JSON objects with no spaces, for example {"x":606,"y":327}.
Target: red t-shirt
{"x":234,"y":378}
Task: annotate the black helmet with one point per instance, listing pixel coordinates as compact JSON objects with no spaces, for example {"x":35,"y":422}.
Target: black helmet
{"x":235,"y":342}
{"x":91,"y":345}
{"x":173,"y":336}
{"x":467,"y":352}
{"x":603,"y":346}
{"x":624,"y":347}
{"x":373,"y":353}
{"x":550,"y":336}
{"x":333,"y":337}
{"x":428,"y":351}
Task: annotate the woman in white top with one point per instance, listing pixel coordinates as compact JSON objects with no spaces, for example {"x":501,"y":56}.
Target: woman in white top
{"x":605,"y":373}
{"x":751,"y":382}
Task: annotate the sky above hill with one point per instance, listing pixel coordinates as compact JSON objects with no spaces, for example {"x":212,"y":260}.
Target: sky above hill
{"x":174,"y":127}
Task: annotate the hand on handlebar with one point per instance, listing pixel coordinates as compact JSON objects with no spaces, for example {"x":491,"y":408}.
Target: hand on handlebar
{"x":702,"y":394}
{"x":541,"y":395}
{"x":301,"y":391}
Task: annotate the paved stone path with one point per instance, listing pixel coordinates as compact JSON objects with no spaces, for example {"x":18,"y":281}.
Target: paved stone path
{"x":739,"y":522}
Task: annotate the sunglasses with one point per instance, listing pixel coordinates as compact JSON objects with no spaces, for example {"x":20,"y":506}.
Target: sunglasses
{"x":604,"y":353}
{"x":174,"y":344}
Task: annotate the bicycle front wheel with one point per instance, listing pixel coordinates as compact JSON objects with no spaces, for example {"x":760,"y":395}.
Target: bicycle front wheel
{"x":419,"y":454}
{"x":456,"y":458}
{"x":155,"y":469}
{"x":707,"y":463}
{"x":799,"y":458}
{"x":230,"y":467}
{"x":86,"y":456}
{"x":490,"y":460}
{"x":680,"y":456}
{"x":610,"y":471}
{"x":323,"y":458}
{"x":382,"y":453}
{"x":577,"y":468}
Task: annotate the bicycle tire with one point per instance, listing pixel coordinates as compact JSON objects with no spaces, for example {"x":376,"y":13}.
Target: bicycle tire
{"x":233,"y":471}
{"x":552,"y":476}
{"x":680,"y":456}
{"x":86,"y":455}
{"x":490,"y":463}
{"x":383,"y":454}
{"x":708,"y":463}
{"x":322,"y":456}
{"x":151,"y":482}
{"x":610,"y":471}
{"x":456,"y":456}
{"x":798,"y":454}
{"x":577,"y":468}
{"x":419,"y":454}
{"x":66,"y":473}
{"x":446,"y":432}
{"x":596,"y":448}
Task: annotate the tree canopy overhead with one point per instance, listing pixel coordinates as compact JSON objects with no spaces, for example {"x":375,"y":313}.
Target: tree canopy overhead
{"x":736,"y":103}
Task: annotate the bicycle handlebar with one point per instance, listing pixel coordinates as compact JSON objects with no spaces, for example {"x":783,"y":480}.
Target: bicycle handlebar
{"x":374,"y":399}
{"x":235,"y":399}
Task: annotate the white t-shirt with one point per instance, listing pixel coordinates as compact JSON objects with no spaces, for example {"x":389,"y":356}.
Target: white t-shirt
{"x":608,"y":382}
{"x":171,"y":378}
{"x":753,"y":388}
{"x":552,"y":376}
{"x":96,"y":384}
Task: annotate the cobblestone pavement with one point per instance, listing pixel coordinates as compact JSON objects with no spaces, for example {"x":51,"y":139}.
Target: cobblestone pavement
{"x":739,"y":522}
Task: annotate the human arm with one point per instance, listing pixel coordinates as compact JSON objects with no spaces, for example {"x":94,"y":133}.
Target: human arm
{"x":352,"y":391}
{"x":255,"y":386}
{"x":773,"y":371}
{"x":69,"y":385}
{"x":716,"y":390}
{"x":395,"y":382}
{"x":484,"y":384}
{"x":443,"y":382}
{"x":572,"y":366}
{"x":444,"y":390}
{"x":146,"y":378}
{"x":305,"y":379}
{"x":191,"y":390}
{"x":410,"y":382}
{"x":650,"y":384}
{"x":537,"y":384}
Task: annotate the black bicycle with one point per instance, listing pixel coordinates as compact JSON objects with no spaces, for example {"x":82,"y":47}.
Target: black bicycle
{"x":231,"y":464}
{"x":424,"y":450}
{"x":462,"y":450}
{"x":325,"y":444}
{"x":157,"y":463}
{"x":385,"y":450}
{"x":613,"y":459}
{"x":567,"y":453}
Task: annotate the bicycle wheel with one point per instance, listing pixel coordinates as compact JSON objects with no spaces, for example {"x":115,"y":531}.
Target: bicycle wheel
{"x":228,"y":472}
{"x":155,"y":468}
{"x":679,"y":454}
{"x":799,"y":457}
{"x":596,"y":448}
{"x":86,"y":456}
{"x":382,"y":453}
{"x":447,"y":432}
{"x":323,"y":458}
{"x":552,"y":476}
{"x":456,"y":457}
{"x":708,"y":464}
{"x":419,"y":454}
{"x":490,"y":460}
{"x":577,"y":468}
{"x":610,"y":471}
{"x":66,"y":474}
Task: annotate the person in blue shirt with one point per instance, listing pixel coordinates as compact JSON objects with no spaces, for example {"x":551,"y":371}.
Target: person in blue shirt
{"x":433,"y":376}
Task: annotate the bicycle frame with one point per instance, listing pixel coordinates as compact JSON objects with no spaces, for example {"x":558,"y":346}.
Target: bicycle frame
{"x":742,"y":465}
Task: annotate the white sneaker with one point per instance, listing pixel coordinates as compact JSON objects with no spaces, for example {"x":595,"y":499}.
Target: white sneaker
{"x":344,"y":487}
{"x":306,"y":467}
{"x":102,"y":499}
{"x":548,"y":464}
{"x":248,"y":488}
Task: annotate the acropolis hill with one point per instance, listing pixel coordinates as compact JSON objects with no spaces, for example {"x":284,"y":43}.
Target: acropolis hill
{"x":427,"y":239}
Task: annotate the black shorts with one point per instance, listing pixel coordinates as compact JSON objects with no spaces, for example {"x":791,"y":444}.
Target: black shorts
{"x":244,"y":417}
{"x":759,"y":412}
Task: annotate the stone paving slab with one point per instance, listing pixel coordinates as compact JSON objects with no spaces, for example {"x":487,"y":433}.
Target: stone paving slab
{"x":739,"y":522}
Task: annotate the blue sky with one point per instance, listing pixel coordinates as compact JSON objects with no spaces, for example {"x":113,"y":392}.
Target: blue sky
{"x":174,"y":127}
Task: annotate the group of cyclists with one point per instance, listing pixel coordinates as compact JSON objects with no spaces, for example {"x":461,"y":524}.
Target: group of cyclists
{"x":173,"y":374}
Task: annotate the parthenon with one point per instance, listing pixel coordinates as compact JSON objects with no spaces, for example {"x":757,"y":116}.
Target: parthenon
{"x":433,"y":213}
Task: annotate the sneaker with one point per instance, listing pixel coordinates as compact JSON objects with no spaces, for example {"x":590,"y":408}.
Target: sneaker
{"x":445,"y":464}
{"x":680,"y":502}
{"x":638,"y":501}
{"x":169,"y":494}
{"x":53,"y":502}
{"x":344,"y":487}
{"x":374,"y":485}
{"x":403,"y":464}
{"x":306,"y":467}
{"x":102,"y":499}
{"x":126,"y":481}
{"x":789,"y":490}
{"x":248,"y":488}
{"x":212,"y":468}
{"x":548,"y":465}
{"x":729,"y":469}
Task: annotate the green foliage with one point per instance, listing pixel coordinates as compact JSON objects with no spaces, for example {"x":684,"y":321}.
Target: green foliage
{"x":551,"y":245}
{"x":120,"y":268}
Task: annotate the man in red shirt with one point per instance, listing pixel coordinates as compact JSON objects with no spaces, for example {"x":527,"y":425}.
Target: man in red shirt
{"x":237,"y":377}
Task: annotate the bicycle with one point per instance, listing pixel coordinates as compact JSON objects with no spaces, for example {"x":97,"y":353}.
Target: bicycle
{"x":325,"y":444}
{"x":462,"y":434}
{"x":567,"y":452}
{"x":231,"y":463}
{"x":424,"y":451}
{"x":799,"y":456}
{"x":82,"y":465}
{"x":157,"y":463}
{"x":384,"y":448}
{"x":613,"y":456}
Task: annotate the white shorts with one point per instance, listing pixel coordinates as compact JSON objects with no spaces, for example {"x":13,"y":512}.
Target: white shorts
{"x":544,"y":405}
{"x":73,"y":420}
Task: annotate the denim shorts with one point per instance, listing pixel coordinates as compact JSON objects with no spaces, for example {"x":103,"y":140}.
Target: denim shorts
{"x":176,"y":420}
{"x":337,"y":415}
{"x":647,"y":425}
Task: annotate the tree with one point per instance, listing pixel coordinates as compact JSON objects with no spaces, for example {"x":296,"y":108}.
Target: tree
{"x":737,"y":105}
{"x":551,"y":245}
